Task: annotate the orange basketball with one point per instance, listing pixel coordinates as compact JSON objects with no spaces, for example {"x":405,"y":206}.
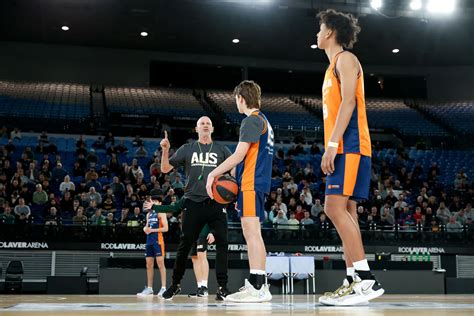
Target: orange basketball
{"x":225,"y":189}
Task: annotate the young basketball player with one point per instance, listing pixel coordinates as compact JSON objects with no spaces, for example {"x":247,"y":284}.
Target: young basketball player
{"x":253,"y":158}
{"x":347,"y":157}
{"x":156,"y":225}
{"x":198,"y":250}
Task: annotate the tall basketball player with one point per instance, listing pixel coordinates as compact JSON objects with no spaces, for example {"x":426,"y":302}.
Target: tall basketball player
{"x":253,"y":158}
{"x":347,"y":157}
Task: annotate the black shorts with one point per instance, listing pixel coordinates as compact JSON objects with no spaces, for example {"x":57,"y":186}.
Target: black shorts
{"x":199,"y":246}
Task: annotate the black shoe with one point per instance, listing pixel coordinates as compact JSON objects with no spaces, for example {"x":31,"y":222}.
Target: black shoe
{"x":202,"y":292}
{"x":221,"y":294}
{"x":194,"y":295}
{"x":171,"y":291}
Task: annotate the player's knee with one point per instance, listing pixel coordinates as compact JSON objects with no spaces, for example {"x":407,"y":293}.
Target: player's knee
{"x":149,"y":265}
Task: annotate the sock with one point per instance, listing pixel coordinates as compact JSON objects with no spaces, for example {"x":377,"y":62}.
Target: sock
{"x":163,"y":287}
{"x":257,"y":278}
{"x":199,"y":284}
{"x":362,"y":265}
{"x":204,"y":283}
{"x":150,"y":287}
{"x":350,"y":271}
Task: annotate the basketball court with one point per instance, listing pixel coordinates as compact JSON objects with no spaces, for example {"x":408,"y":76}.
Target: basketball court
{"x":40,"y":305}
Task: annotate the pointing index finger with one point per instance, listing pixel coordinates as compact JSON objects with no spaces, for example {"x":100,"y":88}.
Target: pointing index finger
{"x":166,"y":134}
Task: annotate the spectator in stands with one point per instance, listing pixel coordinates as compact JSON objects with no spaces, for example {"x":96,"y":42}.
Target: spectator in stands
{"x":93,"y":195}
{"x":80,"y":142}
{"x":299,"y":214}
{"x":109,"y":139}
{"x":67,"y":205}
{"x":75,"y":205}
{"x":155,"y":167}
{"x":362,"y":216}
{"x":307,"y":196}
{"x":110,"y":220}
{"x":114,"y":166}
{"x":141,"y":152}
{"x":32,"y":173}
{"x":99,"y":143}
{"x":121,"y":148}
{"x":406,"y":218}
{"x":469,"y":211}
{"x":136,"y":170}
{"x":77,"y":171}
{"x":26,"y":194}
{"x":43,"y":139}
{"x":92,"y":208}
{"x":429,"y":215}
{"x":91,"y":175}
{"x":15,"y":134}
{"x":58,"y":173}
{"x":178,"y":183}
{"x":52,"y":219}
{"x":52,"y":148}
{"x":137,"y":218}
{"x":443,"y":213}
{"x":67,"y":185}
{"x":307,"y":220}
{"x":316,"y":208}
{"x":453,"y":226}
{"x":137,"y":141}
{"x":92,"y":158}
{"x":40,"y":197}
{"x":134,"y":202}
{"x":387,"y":218}
{"x":7,"y":218}
{"x":79,"y":219}
{"x":81,"y":150}
{"x":125,"y":216}
{"x":22,"y":211}
{"x":109,"y":205}
{"x":417,"y":216}
{"x":104,"y":172}
{"x":293,"y":223}
{"x":280,"y":219}
{"x":98,"y":219}
{"x":461,"y":217}
{"x":118,"y":189}
{"x":324,"y":221}
{"x":10,"y":147}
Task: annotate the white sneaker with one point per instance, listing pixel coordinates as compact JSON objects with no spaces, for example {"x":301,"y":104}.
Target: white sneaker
{"x":248,"y":294}
{"x":146,"y":292}
{"x":360,"y":292}
{"x":328,"y":298}
{"x":160,"y":293}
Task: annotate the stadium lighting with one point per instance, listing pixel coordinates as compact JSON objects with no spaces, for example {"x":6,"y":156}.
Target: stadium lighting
{"x":65,"y":28}
{"x":441,"y":6}
{"x":314,"y":46}
{"x":235,"y":41}
{"x":415,"y":5}
{"x":376,"y":4}
{"x":144,"y":34}
{"x":395,"y":50}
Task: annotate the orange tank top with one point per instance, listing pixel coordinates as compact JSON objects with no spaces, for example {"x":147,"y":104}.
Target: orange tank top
{"x":356,"y":138}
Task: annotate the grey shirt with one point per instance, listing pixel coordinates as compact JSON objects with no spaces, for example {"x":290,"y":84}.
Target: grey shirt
{"x":198,"y":163}
{"x":251,"y":129}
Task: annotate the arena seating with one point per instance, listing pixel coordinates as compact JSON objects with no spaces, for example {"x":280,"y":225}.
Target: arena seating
{"x":458,"y":115}
{"x":280,"y":110}
{"x":159,"y":101}
{"x":391,"y":114}
{"x":44,"y":100}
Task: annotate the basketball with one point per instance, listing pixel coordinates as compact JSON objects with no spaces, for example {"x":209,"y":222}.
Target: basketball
{"x":225,"y":189}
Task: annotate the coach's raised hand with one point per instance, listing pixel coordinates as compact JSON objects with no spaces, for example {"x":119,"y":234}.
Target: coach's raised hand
{"x":165,"y":143}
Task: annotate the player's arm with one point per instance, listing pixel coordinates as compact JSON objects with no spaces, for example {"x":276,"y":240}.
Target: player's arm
{"x":165,"y":151}
{"x":347,"y":68}
{"x":171,"y":208}
{"x":147,"y":228}
{"x":164,"y":222}
{"x":228,"y":164}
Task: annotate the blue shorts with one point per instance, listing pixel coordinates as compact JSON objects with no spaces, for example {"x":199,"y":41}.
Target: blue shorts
{"x":155,"y":250}
{"x":251,"y":204}
{"x":351,"y":177}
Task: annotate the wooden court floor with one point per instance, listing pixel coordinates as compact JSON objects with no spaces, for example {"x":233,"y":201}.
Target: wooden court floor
{"x":390,"y":305}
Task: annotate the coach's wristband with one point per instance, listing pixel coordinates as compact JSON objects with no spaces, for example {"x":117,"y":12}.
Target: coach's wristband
{"x":333,"y":144}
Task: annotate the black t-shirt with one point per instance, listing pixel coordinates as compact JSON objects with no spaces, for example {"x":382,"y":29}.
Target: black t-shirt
{"x":198,"y":161}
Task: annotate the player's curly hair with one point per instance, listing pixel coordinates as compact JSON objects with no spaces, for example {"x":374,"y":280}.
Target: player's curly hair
{"x":345,"y":24}
{"x":251,"y":92}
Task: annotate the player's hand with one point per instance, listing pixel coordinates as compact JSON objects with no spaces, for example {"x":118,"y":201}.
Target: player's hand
{"x":147,"y":230}
{"x":210,"y":181}
{"x":327,"y":162}
{"x":165,"y":143}
{"x":147,"y":205}
{"x":210,"y":238}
